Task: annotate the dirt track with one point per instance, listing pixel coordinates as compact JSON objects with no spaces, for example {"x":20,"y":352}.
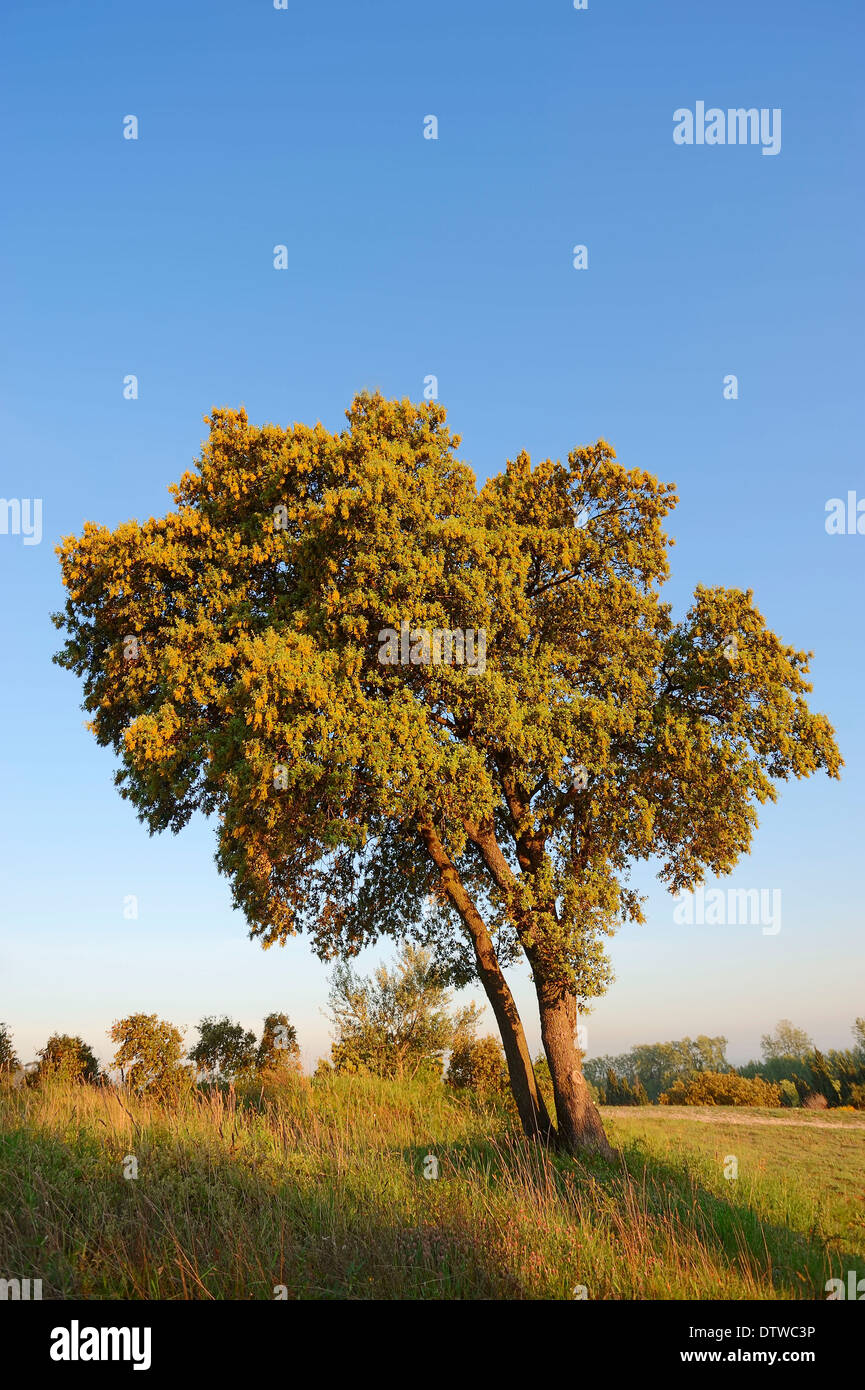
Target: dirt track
{"x":723,"y":1114}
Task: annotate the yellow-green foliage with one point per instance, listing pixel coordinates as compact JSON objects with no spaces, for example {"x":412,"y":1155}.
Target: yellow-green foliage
{"x":722,"y":1088}
{"x":229,"y":652}
{"x":478,"y":1064}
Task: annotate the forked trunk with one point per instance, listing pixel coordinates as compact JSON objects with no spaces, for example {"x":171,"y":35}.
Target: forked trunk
{"x":532,"y":1111}
{"x":579,"y":1125}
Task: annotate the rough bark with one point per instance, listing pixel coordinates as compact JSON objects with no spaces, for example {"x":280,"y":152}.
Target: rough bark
{"x":578,"y":1122}
{"x":532,"y":1111}
{"x":580,"y":1127}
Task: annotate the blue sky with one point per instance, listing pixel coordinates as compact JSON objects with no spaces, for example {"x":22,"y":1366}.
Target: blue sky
{"x":410,"y":257}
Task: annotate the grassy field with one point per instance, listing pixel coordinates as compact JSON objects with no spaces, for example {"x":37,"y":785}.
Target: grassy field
{"x":320,"y":1188}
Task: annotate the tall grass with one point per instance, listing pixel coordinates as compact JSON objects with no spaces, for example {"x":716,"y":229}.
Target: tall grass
{"x":319,"y":1187}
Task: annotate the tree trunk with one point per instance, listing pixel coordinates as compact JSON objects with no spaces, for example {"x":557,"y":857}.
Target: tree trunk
{"x":532,"y":1111}
{"x":579,"y":1125}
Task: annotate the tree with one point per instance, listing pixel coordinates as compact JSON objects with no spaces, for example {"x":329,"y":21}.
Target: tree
{"x":289,"y":650}
{"x":786,"y":1041}
{"x":67,"y":1058}
{"x":618,"y":1090}
{"x":655,"y":1066}
{"x":822,"y":1081}
{"x":279,"y":1050}
{"x":395,"y":1022}
{"x":8,"y":1057}
{"x":224,"y":1050}
{"x":149,"y":1053}
{"x":778,"y":1069}
{"x":595,"y":1068}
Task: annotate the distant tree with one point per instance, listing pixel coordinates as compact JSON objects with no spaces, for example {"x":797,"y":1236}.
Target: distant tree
{"x":655,"y":1066}
{"x":778,"y":1069}
{"x":619,"y":1091}
{"x":224,"y":1050}
{"x":149,"y":1053}
{"x":67,"y":1058}
{"x":847,"y":1070}
{"x":596,"y":1068}
{"x":8,"y":1058}
{"x":278,"y":1050}
{"x":822,"y":1081}
{"x":858,"y":1031}
{"x":708,"y":1054}
{"x":396,"y":1021}
{"x":786,"y":1041}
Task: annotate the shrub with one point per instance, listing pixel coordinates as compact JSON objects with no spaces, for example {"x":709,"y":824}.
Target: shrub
{"x":815,"y":1101}
{"x":478,"y":1064}
{"x":857,"y":1097}
{"x":396,"y":1022}
{"x":789,"y":1094}
{"x":722,"y":1088}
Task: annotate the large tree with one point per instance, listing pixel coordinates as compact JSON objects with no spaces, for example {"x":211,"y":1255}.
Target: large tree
{"x":231,"y":655}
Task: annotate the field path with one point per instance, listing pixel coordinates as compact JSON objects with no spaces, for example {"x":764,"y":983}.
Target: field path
{"x":722,"y":1114}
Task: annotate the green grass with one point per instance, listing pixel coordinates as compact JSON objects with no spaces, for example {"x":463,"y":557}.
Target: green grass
{"x":320,"y":1188}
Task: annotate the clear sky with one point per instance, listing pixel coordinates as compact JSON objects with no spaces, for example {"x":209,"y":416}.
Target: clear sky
{"x":408,"y":257}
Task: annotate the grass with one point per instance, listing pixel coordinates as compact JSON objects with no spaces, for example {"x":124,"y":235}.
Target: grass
{"x":319,"y":1187}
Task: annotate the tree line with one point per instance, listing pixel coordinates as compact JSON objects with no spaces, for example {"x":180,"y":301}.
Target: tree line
{"x":695,"y":1071}
{"x":400,"y":1023}
{"x":150,"y":1055}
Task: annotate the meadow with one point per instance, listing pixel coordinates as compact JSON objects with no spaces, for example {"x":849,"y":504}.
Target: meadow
{"x":316,"y":1190}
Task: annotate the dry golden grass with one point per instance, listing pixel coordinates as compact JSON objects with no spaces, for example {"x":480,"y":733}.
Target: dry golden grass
{"x":319,"y":1187}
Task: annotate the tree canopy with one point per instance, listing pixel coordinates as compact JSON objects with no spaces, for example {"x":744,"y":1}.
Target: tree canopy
{"x":68,"y":1058}
{"x":149,"y":1053}
{"x":224,"y":1051}
{"x":786,"y":1041}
